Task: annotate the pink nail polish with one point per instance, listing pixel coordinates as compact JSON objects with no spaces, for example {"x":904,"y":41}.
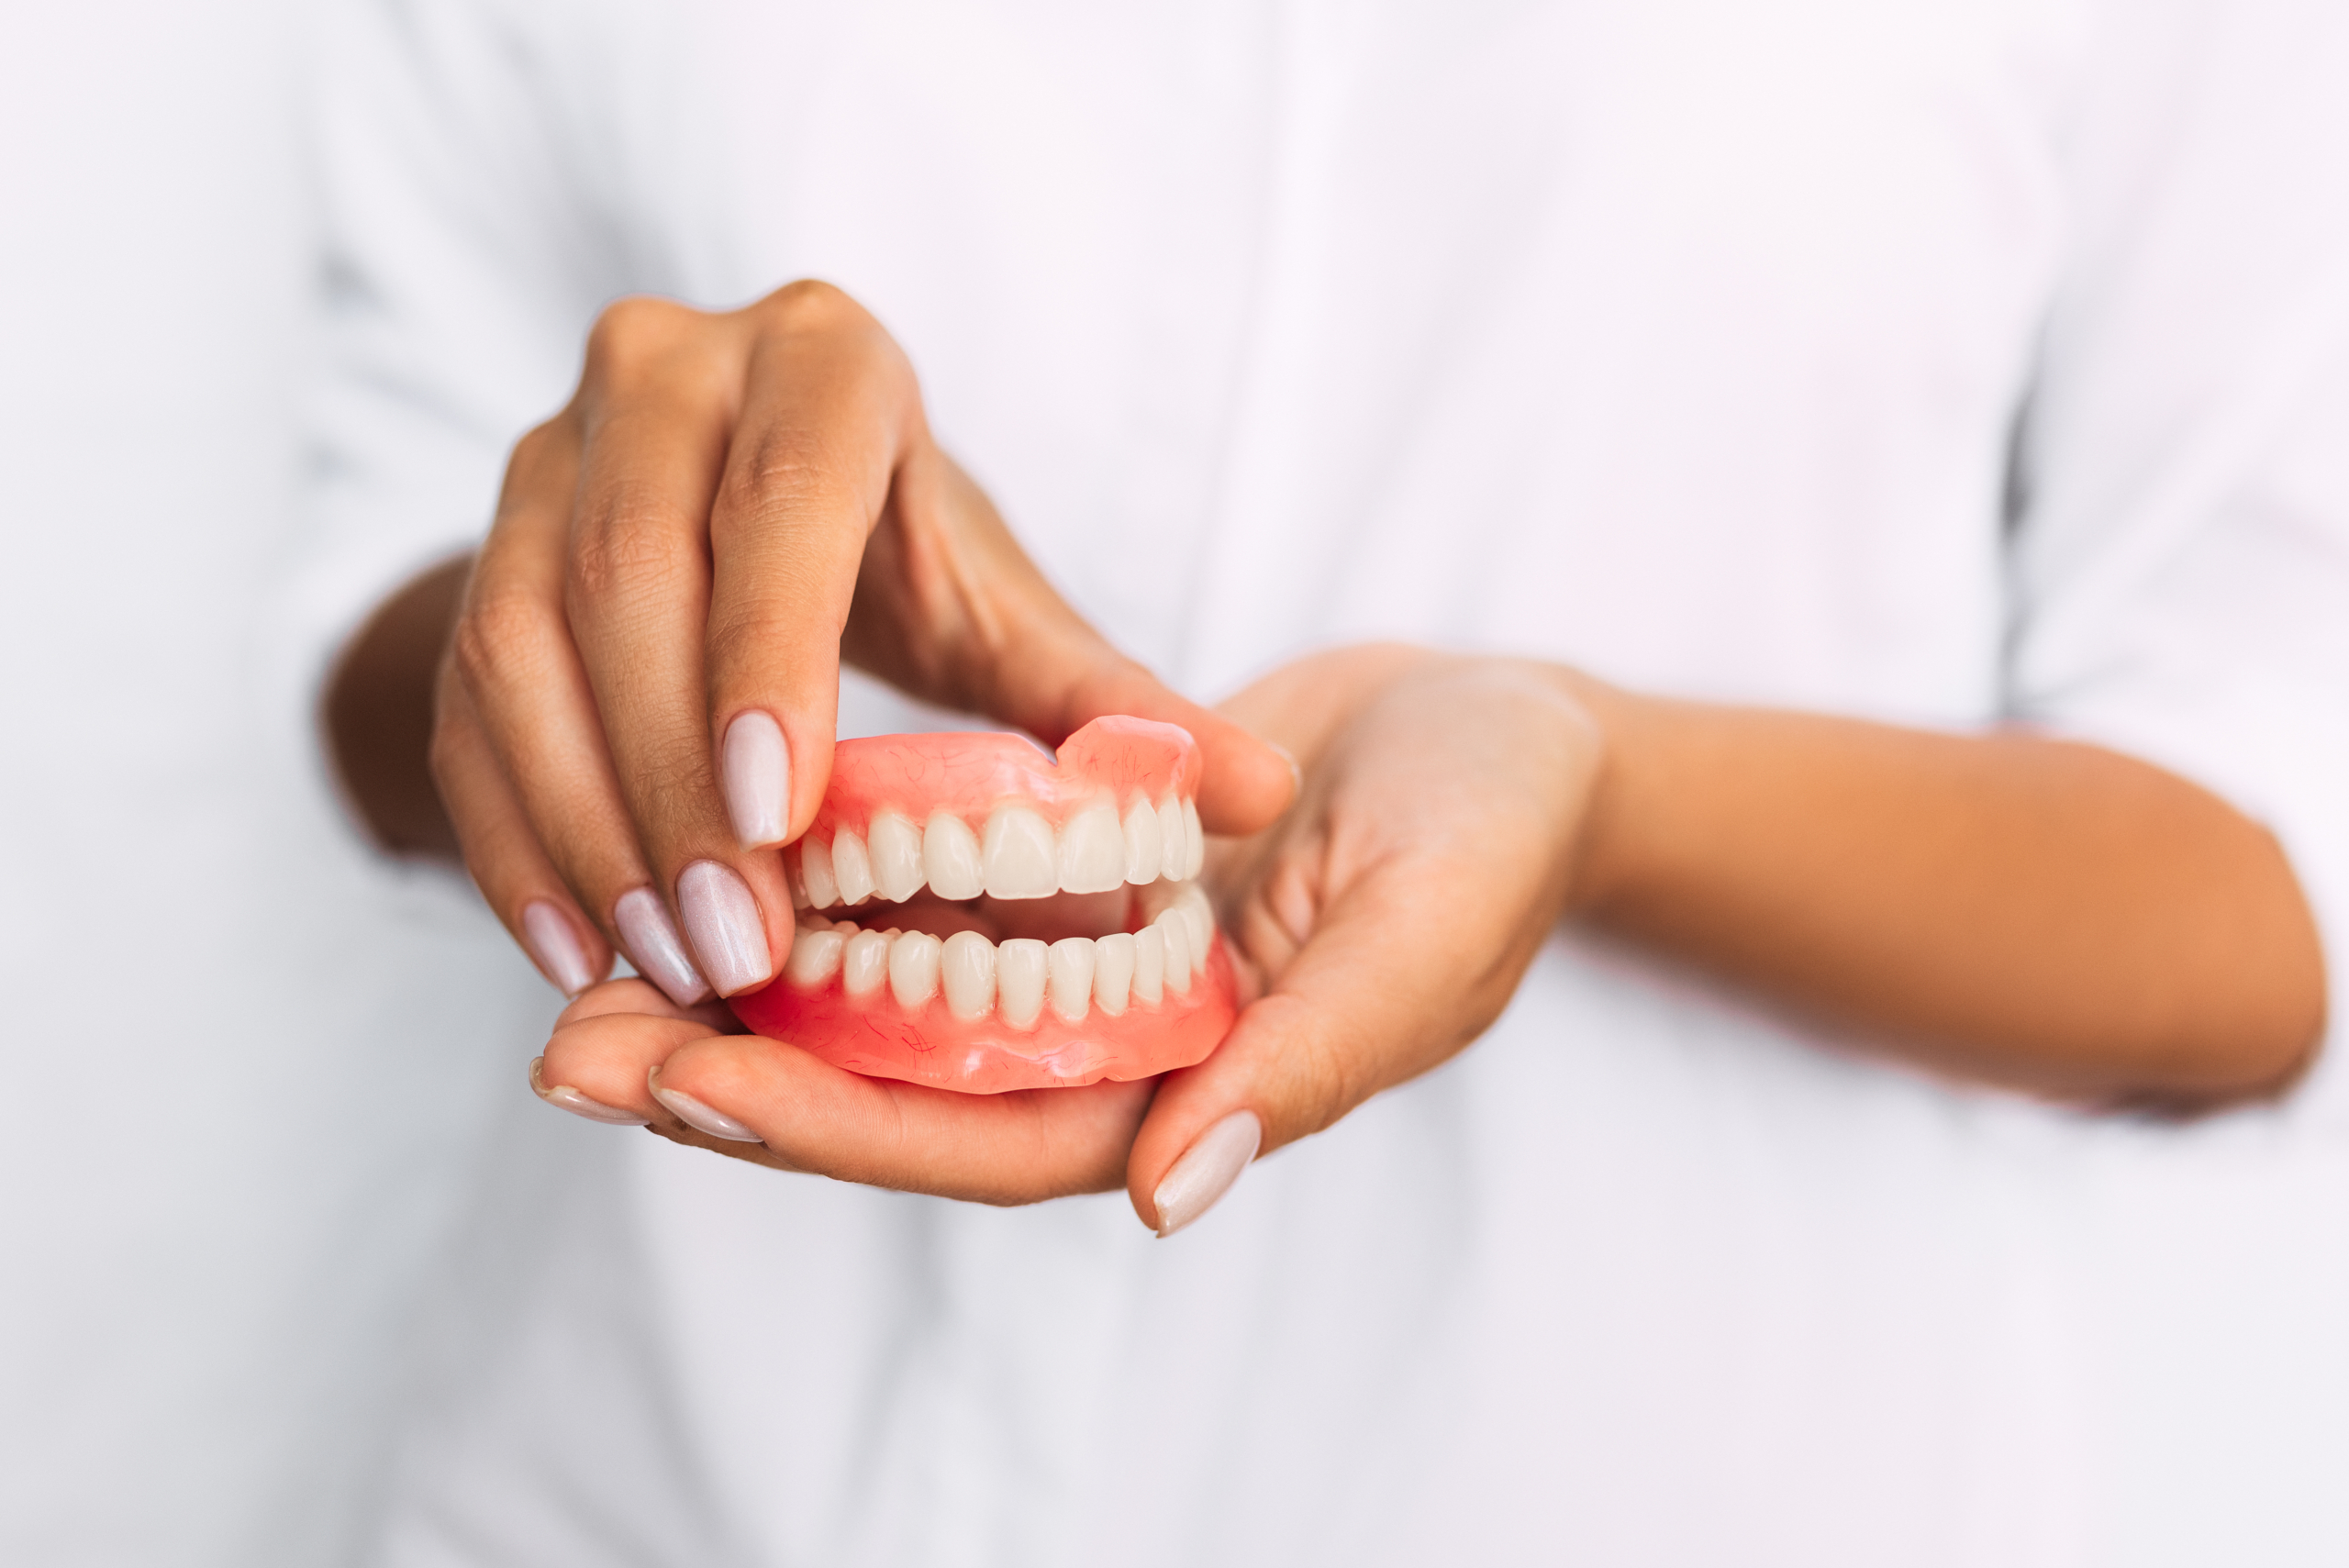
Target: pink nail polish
{"x":756,"y":770}
{"x":654,"y":947}
{"x":1206,"y":1170}
{"x":564,"y":1097}
{"x":702,"y":1119}
{"x":722,"y":918}
{"x":556,"y":947}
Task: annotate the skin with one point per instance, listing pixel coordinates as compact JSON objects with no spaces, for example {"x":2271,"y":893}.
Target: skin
{"x":733,"y":503}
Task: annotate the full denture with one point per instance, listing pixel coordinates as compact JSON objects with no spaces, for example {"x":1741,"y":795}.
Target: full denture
{"x":925,"y":843}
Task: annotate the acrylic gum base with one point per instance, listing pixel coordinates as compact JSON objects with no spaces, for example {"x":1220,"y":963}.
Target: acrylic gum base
{"x":975,"y":917}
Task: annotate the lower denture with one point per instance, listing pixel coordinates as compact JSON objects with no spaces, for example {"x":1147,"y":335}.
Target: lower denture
{"x":960,"y":836}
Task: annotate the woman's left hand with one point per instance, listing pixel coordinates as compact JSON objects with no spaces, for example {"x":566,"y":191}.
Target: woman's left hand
{"x":1378,"y":928}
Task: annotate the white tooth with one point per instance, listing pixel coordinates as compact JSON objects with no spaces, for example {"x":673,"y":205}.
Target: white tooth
{"x":847,"y":927}
{"x":1018,"y":855}
{"x":896,"y":847}
{"x":1179,"y":949}
{"x":864,"y":964}
{"x":1071,"y":978}
{"x":1175,"y":850}
{"x":950,"y":853}
{"x":1150,"y":965}
{"x":1144,"y":854}
{"x":1019,"y":968}
{"x":792,"y":880}
{"x":815,"y":958}
{"x":1092,"y":850}
{"x":816,"y":869}
{"x":1113,"y":971}
{"x":1195,"y":909}
{"x":913,"y":969}
{"x":852,"y":868}
{"x":1195,"y":839}
{"x":967,"y":965}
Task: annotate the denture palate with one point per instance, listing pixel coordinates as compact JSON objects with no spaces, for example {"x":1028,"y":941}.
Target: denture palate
{"x":1157,"y":847}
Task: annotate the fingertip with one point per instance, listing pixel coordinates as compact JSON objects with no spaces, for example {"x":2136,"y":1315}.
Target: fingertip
{"x":1249,"y":781}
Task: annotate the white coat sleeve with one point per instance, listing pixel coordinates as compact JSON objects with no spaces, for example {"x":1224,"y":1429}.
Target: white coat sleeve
{"x":2180,"y":554}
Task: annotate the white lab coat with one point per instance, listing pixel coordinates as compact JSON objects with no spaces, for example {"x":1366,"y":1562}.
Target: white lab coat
{"x":1942,"y":362}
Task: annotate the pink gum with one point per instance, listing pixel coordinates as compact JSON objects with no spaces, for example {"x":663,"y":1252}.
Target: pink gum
{"x":971,"y":775}
{"x":880,"y":1040}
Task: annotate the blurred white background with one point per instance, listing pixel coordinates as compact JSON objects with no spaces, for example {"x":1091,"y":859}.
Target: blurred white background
{"x":214,"y":1208}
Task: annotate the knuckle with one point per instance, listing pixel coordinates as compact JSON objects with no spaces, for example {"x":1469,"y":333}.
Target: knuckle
{"x":500,"y":632}
{"x":631,"y":333}
{"x":626,"y":551}
{"x":810,"y":305}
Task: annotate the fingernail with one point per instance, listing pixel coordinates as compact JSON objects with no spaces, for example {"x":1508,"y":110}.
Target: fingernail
{"x":755,"y":768}
{"x":722,"y":918}
{"x":656,"y":949}
{"x":556,"y":947}
{"x":565,"y":1097}
{"x":699,"y":1117}
{"x":1206,"y":1170}
{"x":1296,"y":774}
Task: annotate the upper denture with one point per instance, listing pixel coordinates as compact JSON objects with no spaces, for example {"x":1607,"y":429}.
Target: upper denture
{"x":938,"y":844}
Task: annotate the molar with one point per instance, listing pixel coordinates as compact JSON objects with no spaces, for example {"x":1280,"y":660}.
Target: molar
{"x":1145,"y":853}
{"x":950,"y":853}
{"x":1018,"y":856}
{"x":1070,"y":968}
{"x":896,"y":848}
{"x":1020,"y":970}
{"x":1174,"y":848}
{"x":864,"y":964}
{"x":1150,"y":965}
{"x":815,"y":957}
{"x":1092,"y":850}
{"x":815,"y":871}
{"x":1113,"y":971}
{"x":851,"y":867}
{"x":913,"y":967}
{"x":966,"y":965}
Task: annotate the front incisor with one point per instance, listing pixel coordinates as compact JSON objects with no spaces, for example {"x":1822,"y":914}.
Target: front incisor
{"x":1070,"y":968}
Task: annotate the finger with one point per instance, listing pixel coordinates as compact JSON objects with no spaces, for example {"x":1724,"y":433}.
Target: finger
{"x":515,"y":668}
{"x":1020,"y":1147}
{"x":502,"y":851}
{"x":830,"y":408}
{"x":1376,"y":994}
{"x":658,"y":401}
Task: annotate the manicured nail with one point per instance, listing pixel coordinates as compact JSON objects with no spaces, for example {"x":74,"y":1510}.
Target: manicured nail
{"x":756,"y":771}
{"x":556,"y":947}
{"x":654,"y":947}
{"x":568,"y":1098}
{"x":722,"y":918}
{"x":699,"y":1117}
{"x":1206,"y":1170}
{"x":1296,"y":774}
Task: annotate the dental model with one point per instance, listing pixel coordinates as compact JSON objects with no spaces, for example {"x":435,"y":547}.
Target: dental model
{"x":976,"y":916}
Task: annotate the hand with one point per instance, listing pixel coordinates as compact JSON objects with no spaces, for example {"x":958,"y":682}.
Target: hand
{"x":1380,"y":927}
{"x":639,"y":705}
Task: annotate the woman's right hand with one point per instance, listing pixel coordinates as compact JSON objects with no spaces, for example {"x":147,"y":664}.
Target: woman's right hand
{"x":640,"y":701}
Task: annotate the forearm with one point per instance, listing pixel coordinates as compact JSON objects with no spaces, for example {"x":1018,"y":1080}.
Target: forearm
{"x":377,"y":714}
{"x":2031,"y":911}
